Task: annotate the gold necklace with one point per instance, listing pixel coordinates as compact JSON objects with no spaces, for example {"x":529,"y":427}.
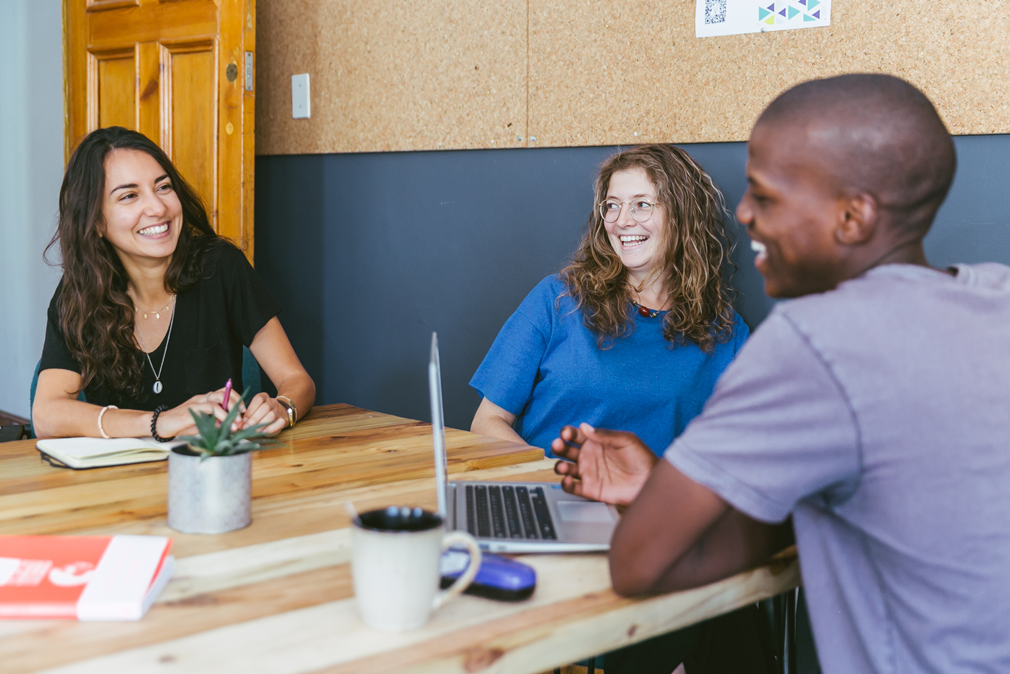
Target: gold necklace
{"x":157,"y":313}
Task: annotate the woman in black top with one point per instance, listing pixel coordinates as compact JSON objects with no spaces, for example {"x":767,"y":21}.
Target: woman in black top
{"x":153,"y":309}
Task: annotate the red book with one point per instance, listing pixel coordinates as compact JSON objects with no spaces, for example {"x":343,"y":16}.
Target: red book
{"x":83,"y":577}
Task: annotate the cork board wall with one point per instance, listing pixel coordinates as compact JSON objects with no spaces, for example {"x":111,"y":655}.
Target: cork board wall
{"x":392,"y":74}
{"x":458,"y":74}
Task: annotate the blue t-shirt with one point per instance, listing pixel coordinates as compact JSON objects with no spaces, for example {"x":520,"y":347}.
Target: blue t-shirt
{"x":546,"y":368}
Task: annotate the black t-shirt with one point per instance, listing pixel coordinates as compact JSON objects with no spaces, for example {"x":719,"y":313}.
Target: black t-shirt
{"x":213,"y":320}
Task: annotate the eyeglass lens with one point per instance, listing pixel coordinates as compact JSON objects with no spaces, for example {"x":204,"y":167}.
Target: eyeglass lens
{"x":640,"y":210}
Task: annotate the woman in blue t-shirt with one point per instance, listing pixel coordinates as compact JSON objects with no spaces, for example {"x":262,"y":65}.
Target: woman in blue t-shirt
{"x":636,"y":330}
{"x":633,"y":334}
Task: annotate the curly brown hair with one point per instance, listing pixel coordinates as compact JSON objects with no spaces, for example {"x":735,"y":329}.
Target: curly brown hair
{"x":96,"y":313}
{"x":697,"y":254}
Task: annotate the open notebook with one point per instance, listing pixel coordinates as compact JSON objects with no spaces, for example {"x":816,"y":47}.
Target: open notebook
{"x":81,"y":453}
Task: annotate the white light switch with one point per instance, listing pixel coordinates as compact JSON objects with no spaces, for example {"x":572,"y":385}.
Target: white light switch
{"x":300,"y":105}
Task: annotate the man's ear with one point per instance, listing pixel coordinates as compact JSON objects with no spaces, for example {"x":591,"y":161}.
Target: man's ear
{"x":857,"y":220}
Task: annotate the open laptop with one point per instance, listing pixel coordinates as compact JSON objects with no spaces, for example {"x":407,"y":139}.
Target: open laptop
{"x":514,"y":517}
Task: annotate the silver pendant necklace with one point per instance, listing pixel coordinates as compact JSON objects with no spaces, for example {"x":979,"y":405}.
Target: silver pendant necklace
{"x":157,"y":373}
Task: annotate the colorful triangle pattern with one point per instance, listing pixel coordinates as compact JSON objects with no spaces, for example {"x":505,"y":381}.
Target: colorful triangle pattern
{"x":785,"y":11}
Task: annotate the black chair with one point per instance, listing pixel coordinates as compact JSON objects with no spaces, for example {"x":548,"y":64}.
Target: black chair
{"x":780,"y":612}
{"x":12,"y":432}
{"x":791,"y":634}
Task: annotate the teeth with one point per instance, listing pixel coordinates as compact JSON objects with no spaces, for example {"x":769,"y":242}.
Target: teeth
{"x":152,"y":231}
{"x":631,"y":241}
{"x":757,"y":247}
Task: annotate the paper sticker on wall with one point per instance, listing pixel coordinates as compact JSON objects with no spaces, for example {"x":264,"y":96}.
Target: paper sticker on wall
{"x":733,"y":17}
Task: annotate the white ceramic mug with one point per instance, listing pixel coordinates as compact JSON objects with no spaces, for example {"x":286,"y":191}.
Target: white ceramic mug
{"x":395,"y":563}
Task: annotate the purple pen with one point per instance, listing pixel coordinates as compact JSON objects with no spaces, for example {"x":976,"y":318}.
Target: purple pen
{"x":227,"y":395}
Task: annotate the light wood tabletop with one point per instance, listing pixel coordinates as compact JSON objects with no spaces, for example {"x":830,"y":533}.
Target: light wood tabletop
{"x":276,"y":597}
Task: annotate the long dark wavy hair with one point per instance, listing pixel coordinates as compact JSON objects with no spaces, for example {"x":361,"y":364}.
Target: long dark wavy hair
{"x":96,"y":313}
{"x":696,"y":259}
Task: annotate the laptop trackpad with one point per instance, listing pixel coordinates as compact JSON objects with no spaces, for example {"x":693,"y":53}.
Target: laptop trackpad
{"x":584,"y":511}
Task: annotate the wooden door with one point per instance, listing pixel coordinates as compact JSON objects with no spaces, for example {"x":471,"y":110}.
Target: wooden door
{"x":180,"y":72}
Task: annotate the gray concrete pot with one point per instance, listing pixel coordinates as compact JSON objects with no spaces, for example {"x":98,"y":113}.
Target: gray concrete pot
{"x":209,"y":496}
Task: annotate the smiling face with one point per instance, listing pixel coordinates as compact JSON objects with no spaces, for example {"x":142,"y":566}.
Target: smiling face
{"x":792,"y":210}
{"x":638,"y":244}
{"x":142,"y":212}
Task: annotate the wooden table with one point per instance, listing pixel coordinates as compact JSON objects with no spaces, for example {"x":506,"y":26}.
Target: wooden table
{"x":276,"y":597}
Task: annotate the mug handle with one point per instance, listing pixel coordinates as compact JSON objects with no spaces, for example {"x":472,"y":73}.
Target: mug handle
{"x":463,"y":582}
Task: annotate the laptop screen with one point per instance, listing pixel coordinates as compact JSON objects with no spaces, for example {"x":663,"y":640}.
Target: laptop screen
{"x":438,"y":425}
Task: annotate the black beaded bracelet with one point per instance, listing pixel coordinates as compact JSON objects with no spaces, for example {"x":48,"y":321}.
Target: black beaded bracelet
{"x":154,"y":424}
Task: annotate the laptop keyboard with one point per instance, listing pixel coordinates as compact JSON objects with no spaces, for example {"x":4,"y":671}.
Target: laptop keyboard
{"x":515,"y":512}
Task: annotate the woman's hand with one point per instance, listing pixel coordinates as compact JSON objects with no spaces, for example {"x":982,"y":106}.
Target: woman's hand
{"x":265,"y":410}
{"x":179,"y":421}
{"x":274,"y":354}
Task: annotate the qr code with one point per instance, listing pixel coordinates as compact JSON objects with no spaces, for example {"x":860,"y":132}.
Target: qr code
{"x":715,"y":11}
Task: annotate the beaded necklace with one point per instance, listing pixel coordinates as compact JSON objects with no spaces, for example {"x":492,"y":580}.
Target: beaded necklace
{"x":645,"y":312}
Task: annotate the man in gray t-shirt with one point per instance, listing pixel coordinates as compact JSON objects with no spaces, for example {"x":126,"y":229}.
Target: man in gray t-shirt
{"x":877,"y":415}
{"x":873,"y":407}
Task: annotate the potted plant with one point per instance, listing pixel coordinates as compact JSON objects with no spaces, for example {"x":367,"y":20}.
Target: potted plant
{"x":210,"y":478}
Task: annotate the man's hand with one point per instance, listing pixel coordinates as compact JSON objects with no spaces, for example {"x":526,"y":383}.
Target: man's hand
{"x":608,"y":466}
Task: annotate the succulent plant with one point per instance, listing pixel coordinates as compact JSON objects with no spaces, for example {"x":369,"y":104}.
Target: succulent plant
{"x":214,"y":439}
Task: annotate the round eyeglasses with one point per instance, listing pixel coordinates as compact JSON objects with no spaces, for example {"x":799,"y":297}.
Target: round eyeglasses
{"x":641,"y":209}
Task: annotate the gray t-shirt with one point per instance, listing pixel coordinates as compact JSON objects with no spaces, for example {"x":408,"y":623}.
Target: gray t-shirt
{"x":878,"y":414}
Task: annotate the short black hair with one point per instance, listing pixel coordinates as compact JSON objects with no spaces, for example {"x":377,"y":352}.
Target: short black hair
{"x":881,"y":136}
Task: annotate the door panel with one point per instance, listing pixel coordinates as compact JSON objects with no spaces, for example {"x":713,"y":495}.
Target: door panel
{"x":114,"y":89}
{"x":151,"y":21}
{"x":192,"y":134}
{"x":162,"y":67}
{"x":97,"y":5}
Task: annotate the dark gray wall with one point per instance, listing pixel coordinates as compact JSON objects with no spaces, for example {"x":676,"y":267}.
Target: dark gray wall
{"x":369,"y":253}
